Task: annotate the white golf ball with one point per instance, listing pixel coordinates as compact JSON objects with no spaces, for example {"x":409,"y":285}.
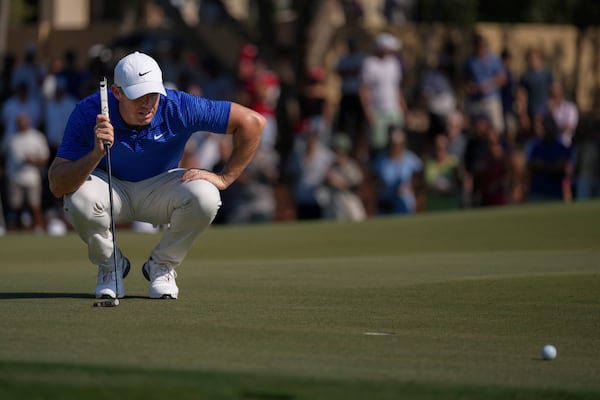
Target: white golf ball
{"x":549,"y":352}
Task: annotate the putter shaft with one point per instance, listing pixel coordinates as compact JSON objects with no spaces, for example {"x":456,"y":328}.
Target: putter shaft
{"x":107,"y":145}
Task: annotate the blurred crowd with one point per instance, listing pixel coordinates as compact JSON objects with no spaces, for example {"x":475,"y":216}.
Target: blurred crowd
{"x":491,"y":138}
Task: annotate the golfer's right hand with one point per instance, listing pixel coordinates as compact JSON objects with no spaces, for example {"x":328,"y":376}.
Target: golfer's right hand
{"x":104,"y":132}
{"x":198,"y":173}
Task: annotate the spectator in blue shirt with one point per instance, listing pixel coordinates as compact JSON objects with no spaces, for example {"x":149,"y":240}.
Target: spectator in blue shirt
{"x":549,"y":164}
{"x":485,"y":75}
{"x":148,"y":128}
{"x":536,"y":81}
{"x":399,"y":176}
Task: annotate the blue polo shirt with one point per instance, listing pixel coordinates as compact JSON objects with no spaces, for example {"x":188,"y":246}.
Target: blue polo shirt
{"x":138,"y":155}
{"x":484,"y":69}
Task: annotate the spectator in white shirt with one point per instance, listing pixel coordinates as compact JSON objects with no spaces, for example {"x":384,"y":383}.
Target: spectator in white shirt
{"x":27,"y":154}
{"x":381,"y":92}
{"x":565,"y":114}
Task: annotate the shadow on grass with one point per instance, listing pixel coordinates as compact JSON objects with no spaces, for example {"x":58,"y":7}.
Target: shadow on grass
{"x":52,"y":295}
{"x":265,"y":396}
{"x":55,"y":381}
{"x":44,"y":295}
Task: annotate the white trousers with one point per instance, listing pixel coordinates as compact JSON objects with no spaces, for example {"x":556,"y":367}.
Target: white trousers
{"x":490,"y":106}
{"x":187,"y":209}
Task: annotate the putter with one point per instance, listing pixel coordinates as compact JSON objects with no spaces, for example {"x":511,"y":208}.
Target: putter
{"x":104,"y":110}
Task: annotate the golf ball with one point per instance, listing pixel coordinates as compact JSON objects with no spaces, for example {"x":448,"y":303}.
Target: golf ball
{"x":548,"y":352}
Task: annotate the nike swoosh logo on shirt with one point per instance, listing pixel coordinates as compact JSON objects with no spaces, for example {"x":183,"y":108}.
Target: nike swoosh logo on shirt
{"x":156,"y":137}
{"x":144,"y":73}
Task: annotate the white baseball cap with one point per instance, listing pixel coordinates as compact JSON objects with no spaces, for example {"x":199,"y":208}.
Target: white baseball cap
{"x":386,"y":41}
{"x":138,"y":74}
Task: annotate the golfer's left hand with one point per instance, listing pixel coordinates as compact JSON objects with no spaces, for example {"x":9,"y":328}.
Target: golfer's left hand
{"x":196,"y":173}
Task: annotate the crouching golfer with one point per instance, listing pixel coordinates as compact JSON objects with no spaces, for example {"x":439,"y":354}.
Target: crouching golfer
{"x":148,"y":128}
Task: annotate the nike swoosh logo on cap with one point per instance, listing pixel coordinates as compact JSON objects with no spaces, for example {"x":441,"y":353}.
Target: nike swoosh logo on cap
{"x":144,"y":73}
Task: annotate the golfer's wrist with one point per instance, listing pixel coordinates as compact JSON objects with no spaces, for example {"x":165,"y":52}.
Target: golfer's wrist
{"x":97,"y":153}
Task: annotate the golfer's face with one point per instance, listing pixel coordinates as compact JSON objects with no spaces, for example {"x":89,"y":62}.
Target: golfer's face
{"x":139,"y":111}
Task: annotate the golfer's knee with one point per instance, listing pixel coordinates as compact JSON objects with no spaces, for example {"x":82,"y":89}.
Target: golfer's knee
{"x":82,"y":203}
{"x":205,"y":199}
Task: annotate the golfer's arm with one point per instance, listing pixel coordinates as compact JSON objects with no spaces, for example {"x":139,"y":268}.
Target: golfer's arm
{"x":66,"y":176}
{"x":246,"y":127}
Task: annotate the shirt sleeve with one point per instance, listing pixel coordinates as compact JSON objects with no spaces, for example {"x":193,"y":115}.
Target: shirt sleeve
{"x":499,"y":67}
{"x":78,"y":138}
{"x":365,"y":71}
{"x":201,"y":114}
{"x":417,"y":164}
{"x":42,"y":146}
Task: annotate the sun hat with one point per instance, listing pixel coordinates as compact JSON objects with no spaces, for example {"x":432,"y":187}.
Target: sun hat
{"x":387,"y":41}
{"x":138,"y":74}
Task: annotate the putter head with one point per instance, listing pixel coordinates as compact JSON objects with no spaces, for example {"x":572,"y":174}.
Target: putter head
{"x":107,"y":303}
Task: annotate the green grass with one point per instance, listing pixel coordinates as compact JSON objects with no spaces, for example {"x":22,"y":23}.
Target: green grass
{"x":280,"y":312}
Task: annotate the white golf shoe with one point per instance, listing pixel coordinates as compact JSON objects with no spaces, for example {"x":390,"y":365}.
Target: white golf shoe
{"x":162,"y":280}
{"x":105,"y":288}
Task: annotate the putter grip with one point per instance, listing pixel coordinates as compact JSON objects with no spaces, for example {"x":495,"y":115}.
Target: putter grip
{"x":104,"y":102}
{"x":104,"y":96}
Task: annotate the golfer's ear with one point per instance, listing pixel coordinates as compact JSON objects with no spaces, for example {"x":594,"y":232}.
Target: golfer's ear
{"x":116,"y":91}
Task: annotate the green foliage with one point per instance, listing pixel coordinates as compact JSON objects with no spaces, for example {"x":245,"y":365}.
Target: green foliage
{"x":581,"y":13}
{"x":22,"y":12}
{"x":459,"y":12}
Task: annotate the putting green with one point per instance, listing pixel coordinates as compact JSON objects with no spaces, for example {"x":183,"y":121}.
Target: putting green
{"x":281,"y":311}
